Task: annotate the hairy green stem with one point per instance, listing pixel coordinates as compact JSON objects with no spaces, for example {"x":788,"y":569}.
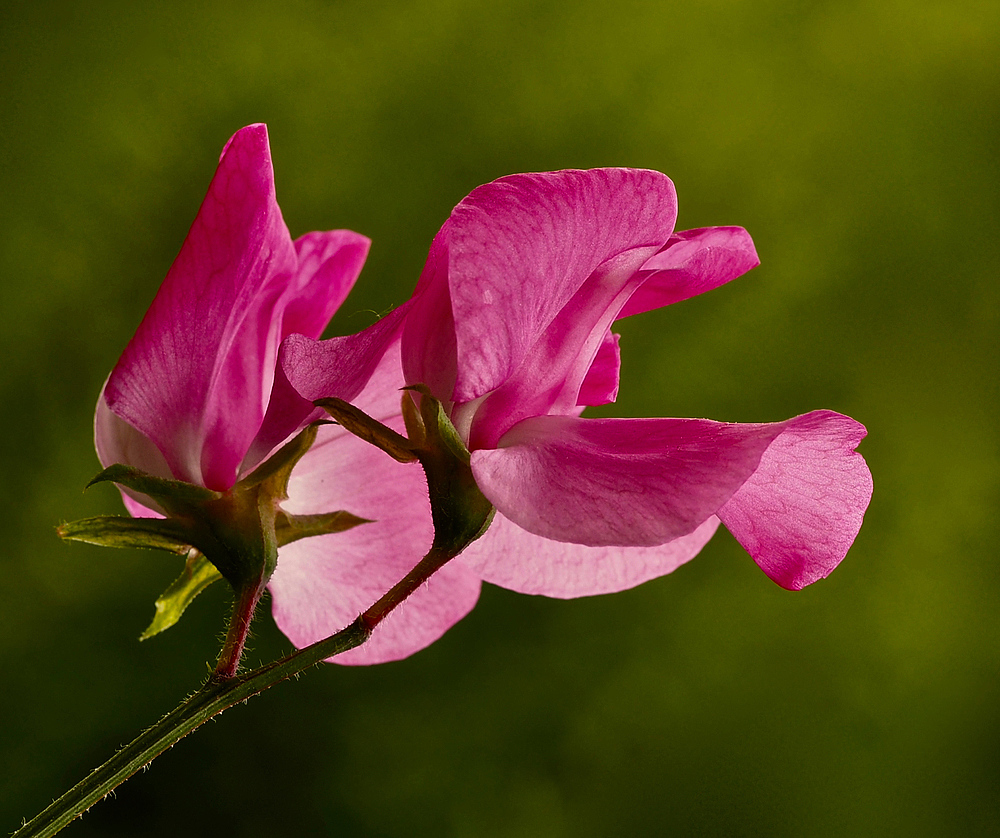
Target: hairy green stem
{"x":216,"y":695}
{"x":239,"y":631}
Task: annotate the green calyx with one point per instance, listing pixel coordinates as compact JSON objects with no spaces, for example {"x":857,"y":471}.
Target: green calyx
{"x":460,"y":511}
{"x":233,"y":535}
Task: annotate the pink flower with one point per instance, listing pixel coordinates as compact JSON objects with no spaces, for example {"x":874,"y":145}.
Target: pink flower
{"x":195,"y":397}
{"x":188,"y":396}
{"x":511,"y":328}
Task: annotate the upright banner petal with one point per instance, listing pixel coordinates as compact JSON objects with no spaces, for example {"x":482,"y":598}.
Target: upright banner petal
{"x":521,"y":247}
{"x":193,"y":379}
{"x":196,"y":378}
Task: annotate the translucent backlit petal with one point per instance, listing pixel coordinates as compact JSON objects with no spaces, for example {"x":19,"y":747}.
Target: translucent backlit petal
{"x":520,"y":248}
{"x":194,"y":378}
{"x":691,"y":263}
{"x":516,"y":559}
{"x":800,"y":511}
{"x":599,"y":482}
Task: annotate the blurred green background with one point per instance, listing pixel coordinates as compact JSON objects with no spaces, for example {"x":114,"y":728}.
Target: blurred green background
{"x":858,"y":142}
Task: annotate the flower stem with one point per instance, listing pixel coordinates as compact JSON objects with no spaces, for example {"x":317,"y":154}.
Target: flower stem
{"x":218,"y":694}
{"x":239,"y":630}
{"x":428,"y":565}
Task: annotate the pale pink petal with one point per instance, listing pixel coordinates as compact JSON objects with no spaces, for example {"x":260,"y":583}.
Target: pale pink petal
{"x":800,"y":511}
{"x":195,"y":377}
{"x":323,"y":583}
{"x":601,"y":482}
{"x":328,"y":266}
{"x":520,"y":249}
{"x":601,"y":384}
{"x":513,"y":558}
{"x":691,"y":263}
{"x":340,"y":367}
{"x":117,"y":441}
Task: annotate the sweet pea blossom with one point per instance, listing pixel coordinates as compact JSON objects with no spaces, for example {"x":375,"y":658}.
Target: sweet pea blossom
{"x":510,"y":328}
{"x":194,"y":397}
{"x":530,"y":272}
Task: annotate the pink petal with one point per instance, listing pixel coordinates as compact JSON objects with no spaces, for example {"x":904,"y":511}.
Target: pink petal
{"x":520,"y":248}
{"x":801,"y":510}
{"x":340,"y":367}
{"x":328,"y":266}
{"x":197,"y":376}
{"x":117,"y":441}
{"x":429,"y":355}
{"x":602,"y":482}
{"x":322,"y":584}
{"x":194,"y":377}
{"x":691,"y":263}
{"x":601,"y":384}
{"x":551,"y":377}
{"x":513,"y":558}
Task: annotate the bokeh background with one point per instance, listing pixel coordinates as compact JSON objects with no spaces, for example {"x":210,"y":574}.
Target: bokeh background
{"x":857,"y":141}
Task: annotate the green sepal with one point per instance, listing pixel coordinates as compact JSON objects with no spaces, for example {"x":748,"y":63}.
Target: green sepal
{"x":277,"y":469}
{"x":433,"y":414}
{"x":119,"y":531}
{"x":198,"y":574}
{"x":175,"y":496}
{"x":291,"y":528}
{"x":233,"y":535}
{"x":460,"y":511}
{"x":363,"y":426}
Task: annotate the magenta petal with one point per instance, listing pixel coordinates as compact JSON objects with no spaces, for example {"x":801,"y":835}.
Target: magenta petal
{"x":340,"y":367}
{"x":429,"y":334}
{"x":520,"y":248}
{"x":691,"y":263}
{"x":601,"y":384}
{"x":801,"y":510}
{"x":601,"y":482}
{"x":195,"y":377}
{"x":551,"y":378}
{"x":336,"y":368}
{"x":323,"y":583}
{"x":328,"y":266}
{"x":513,"y":558}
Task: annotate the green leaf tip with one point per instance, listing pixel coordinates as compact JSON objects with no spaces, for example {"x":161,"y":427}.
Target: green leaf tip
{"x":161,"y":489}
{"x":289,"y":528}
{"x":197,"y":575}
{"x":119,"y":531}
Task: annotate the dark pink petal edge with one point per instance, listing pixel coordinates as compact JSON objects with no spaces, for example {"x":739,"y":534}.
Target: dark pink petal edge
{"x":691,"y":263}
{"x":799,"y":512}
